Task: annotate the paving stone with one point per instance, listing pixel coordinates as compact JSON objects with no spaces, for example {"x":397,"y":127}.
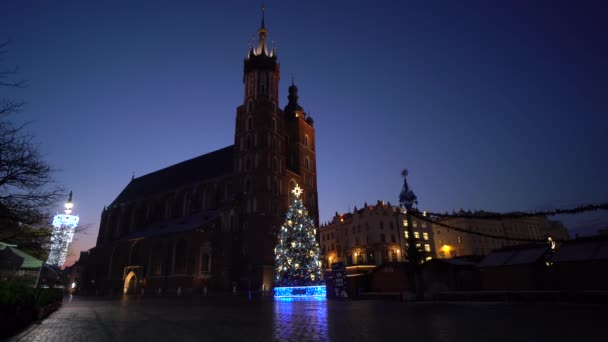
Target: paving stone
{"x":83,"y":319}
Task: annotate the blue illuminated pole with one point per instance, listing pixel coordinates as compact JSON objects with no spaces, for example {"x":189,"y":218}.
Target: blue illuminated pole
{"x":64,"y":226}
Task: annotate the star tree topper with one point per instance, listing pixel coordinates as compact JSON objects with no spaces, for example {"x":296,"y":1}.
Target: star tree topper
{"x":297,"y":191}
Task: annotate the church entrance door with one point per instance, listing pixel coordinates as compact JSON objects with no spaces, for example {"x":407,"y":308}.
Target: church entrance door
{"x":130,"y":285}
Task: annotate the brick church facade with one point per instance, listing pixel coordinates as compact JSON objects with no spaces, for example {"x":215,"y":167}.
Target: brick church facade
{"x":212,"y":221}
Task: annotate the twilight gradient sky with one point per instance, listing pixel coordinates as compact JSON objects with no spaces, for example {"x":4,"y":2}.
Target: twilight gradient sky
{"x":495,"y":105}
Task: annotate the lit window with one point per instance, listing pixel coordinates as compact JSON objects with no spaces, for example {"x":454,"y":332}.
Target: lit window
{"x":427,"y":247}
{"x":459,"y":240}
{"x":423,"y":224}
{"x":416,"y":235}
{"x":405,"y":223}
{"x":425,"y":235}
{"x":415,"y":223}
{"x":418,"y":245}
{"x":407,"y":234}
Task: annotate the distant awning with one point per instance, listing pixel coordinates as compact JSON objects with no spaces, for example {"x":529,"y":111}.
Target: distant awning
{"x":27,"y":261}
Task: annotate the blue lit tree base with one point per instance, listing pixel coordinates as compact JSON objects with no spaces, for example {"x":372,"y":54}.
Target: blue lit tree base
{"x":318,"y":291}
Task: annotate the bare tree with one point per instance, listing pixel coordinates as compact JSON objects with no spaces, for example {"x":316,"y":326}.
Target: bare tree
{"x":27,"y":187}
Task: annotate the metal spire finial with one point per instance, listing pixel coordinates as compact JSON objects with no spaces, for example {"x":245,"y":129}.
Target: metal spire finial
{"x":263,"y":11}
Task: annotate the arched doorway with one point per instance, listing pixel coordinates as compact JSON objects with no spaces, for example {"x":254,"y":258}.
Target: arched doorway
{"x":130,"y":285}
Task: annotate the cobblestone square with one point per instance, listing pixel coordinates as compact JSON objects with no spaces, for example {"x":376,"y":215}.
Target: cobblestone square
{"x":239,"y":319}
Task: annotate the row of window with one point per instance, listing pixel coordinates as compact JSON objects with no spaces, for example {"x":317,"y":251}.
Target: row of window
{"x":181,"y":261}
{"x":325,"y":249}
{"x":249,"y":126}
{"x":415,"y":223}
{"x":273,"y":125}
{"x":118,"y":221}
{"x":265,"y":85}
{"x":425,"y":235}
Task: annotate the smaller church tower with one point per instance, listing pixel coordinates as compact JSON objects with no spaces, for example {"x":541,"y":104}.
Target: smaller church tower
{"x":301,"y":151}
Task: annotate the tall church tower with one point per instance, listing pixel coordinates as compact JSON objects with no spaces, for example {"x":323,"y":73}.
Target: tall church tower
{"x":274,"y":150}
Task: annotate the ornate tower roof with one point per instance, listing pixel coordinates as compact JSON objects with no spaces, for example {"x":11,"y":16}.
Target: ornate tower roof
{"x":262,"y":49}
{"x":293,"y":106}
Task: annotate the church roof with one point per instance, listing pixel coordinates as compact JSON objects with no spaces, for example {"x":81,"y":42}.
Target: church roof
{"x":211,"y":165}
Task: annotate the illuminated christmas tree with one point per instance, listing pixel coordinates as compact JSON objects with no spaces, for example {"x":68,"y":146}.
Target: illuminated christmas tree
{"x":298,"y":269}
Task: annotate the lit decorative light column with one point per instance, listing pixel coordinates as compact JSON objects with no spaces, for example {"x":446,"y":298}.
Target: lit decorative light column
{"x":64,"y":226}
{"x":298,"y":271}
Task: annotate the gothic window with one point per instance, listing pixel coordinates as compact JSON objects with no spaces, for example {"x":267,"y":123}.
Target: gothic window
{"x":392,"y":238}
{"x":205,"y":262}
{"x":248,"y":142}
{"x":180,"y":257}
{"x":275,"y":186}
{"x":249,"y":124}
{"x":247,"y":164}
{"x":382,"y":238}
{"x":381,"y":225}
{"x":292,"y":184}
{"x":307,"y":163}
{"x":204,"y":199}
{"x":263,"y":76}
{"x":249,"y":106}
{"x":306,"y":141}
{"x":250,"y":87}
{"x":274,"y":125}
{"x":247,"y":187}
{"x":177,"y":206}
{"x":157,"y":260}
{"x":275,"y":164}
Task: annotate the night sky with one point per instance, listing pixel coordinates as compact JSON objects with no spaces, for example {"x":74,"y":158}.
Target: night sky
{"x":495,"y":105}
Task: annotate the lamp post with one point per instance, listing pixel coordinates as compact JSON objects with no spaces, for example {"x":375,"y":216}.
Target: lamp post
{"x":407,"y":200}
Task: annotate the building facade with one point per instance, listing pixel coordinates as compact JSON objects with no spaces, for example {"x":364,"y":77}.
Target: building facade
{"x":212,"y":221}
{"x":510,"y":231}
{"x":379,"y":233}
{"x":373,"y":235}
